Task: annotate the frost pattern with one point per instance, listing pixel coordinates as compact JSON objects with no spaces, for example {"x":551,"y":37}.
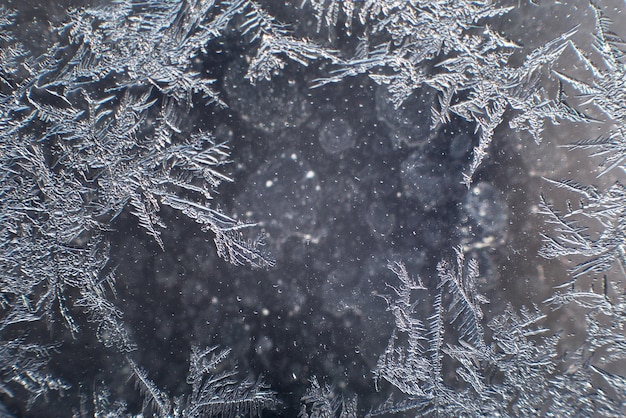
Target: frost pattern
{"x":92,"y":128}
{"x":599,"y":210}
{"x":606,"y":91}
{"x":213,"y":392}
{"x":323,"y":402}
{"x":516,"y":372}
{"x":449,"y":46}
{"x":22,"y":365}
{"x":593,"y":234}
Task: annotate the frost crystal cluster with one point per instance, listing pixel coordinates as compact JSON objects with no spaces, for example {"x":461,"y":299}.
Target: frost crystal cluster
{"x":268,"y":177}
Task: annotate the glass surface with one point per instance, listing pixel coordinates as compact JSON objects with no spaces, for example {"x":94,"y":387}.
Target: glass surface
{"x":333,"y":208}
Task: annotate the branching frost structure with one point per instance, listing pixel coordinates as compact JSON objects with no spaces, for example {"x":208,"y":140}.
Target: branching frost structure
{"x":93,"y":128}
{"x":450,"y":47}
